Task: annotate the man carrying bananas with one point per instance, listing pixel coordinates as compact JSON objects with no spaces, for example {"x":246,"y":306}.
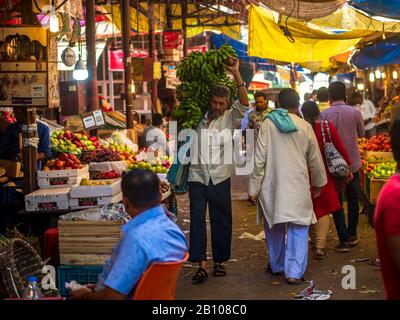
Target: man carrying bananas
{"x":209,"y":179}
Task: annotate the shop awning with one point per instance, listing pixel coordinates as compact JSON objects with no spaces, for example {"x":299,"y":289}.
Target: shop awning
{"x":228,"y":25}
{"x":378,"y":54}
{"x":296,"y":42}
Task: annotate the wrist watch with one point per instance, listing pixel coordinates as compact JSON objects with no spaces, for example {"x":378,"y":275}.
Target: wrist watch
{"x":241,"y":85}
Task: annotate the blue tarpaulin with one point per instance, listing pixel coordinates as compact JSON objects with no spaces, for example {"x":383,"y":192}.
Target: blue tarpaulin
{"x":378,"y":54}
{"x":385,"y":8}
{"x":241,"y":50}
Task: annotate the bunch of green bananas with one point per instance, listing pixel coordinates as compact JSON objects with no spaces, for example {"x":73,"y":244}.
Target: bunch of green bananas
{"x":198,"y":73}
{"x":189,"y":113}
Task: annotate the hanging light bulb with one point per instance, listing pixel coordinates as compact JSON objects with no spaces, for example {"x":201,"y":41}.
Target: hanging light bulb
{"x":80,"y":73}
{"x":54,"y":26}
{"x":360,"y":86}
{"x":395,"y":75}
{"x":371,"y":77}
{"x":383,"y":75}
{"x":378,"y":74}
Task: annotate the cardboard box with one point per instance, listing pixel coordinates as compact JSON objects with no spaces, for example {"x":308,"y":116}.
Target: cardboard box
{"x":64,"y":173}
{"x":13,"y":168}
{"x":108,"y":190}
{"x":89,"y":202}
{"x":47,"y":199}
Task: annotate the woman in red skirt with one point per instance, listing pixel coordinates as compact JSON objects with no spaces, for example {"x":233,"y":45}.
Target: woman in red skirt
{"x":328,"y":201}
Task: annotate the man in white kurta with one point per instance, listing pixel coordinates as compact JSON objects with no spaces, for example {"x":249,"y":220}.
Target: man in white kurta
{"x":288,"y":166}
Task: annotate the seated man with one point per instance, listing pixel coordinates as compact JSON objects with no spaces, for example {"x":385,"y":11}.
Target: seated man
{"x":150,"y":237}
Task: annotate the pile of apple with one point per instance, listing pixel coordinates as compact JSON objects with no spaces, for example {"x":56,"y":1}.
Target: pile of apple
{"x":371,"y":162}
{"x":383,"y":170}
{"x":160,"y":165}
{"x":378,"y":143}
{"x":64,"y":161}
{"x":8,"y":116}
{"x":67,"y":141}
{"x":97,"y":175}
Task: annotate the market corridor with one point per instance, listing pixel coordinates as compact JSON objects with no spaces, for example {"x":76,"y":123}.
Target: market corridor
{"x":246,"y":278}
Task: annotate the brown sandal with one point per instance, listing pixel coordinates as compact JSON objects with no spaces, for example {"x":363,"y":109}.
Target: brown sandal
{"x":219,"y":270}
{"x":200,"y":276}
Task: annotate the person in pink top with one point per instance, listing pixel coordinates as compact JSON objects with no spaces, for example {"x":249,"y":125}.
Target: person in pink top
{"x":387,"y":224}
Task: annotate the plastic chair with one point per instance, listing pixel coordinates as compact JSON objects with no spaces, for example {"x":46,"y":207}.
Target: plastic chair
{"x":159,"y":281}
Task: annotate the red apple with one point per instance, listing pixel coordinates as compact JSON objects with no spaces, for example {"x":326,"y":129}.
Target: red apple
{"x":63,"y":156}
{"x":59,"y":164}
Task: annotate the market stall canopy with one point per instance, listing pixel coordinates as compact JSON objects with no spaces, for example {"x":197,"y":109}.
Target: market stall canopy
{"x":199,"y":19}
{"x":296,"y":42}
{"x":381,"y":53}
{"x":384,"y":8}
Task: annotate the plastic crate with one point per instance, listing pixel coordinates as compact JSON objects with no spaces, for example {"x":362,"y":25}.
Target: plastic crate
{"x":81,"y":274}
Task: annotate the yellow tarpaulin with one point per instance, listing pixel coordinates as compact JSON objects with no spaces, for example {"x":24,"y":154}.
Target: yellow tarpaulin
{"x":193,"y":24}
{"x":351,"y":19}
{"x":309,"y":47}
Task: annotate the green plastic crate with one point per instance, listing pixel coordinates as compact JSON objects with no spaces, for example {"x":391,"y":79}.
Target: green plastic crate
{"x":81,"y":274}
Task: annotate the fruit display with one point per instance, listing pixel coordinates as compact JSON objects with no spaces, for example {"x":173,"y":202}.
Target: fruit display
{"x":158,"y":165}
{"x":198,"y":73}
{"x":124,"y":146}
{"x":99,"y":155}
{"x":7,"y":116}
{"x":371,"y":162}
{"x":63,"y":162}
{"x":93,"y":183}
{"x":97,"y":175}
{"x":378,"y":143}
{"x":67,"y":141}
{"x":383,"y":170}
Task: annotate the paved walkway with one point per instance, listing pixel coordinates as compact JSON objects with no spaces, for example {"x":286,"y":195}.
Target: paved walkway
{"x":246,"y":278}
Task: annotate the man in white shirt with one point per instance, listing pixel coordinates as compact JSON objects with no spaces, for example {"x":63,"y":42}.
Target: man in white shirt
{"x":209,"y":179}
{"x":368,"y":113}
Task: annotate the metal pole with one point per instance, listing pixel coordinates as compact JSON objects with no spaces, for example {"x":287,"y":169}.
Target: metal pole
{"x":152,"y":47}
{"x":126,"y":36}
{"x":184,"y":29}
{"x":91,"y":83}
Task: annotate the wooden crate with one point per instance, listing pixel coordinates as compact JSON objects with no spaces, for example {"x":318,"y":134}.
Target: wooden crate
{"x":87,"y":242}
{"x":375,"y":186}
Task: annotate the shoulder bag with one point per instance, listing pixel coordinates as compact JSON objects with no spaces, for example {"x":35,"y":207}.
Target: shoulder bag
{"x":337,"y":166}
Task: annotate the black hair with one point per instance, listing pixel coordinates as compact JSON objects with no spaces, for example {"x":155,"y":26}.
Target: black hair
{"x":323,"y":94}
{"x":141,"y":188}
{"x":315,"y":91}
{"x":307,"y":96}
{"x":142,"y":118}
{"x":395,"y":137}
{"x":310,"y":112}
{"x":356,"y":98}
{"x":156,"y":119}
{"x":337,"y":91}
{"x":288,"y":99}
{"x":220,"y":91}
{"x":259,"y":94}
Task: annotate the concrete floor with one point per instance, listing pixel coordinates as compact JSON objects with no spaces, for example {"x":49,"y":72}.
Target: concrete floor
{"x":246,"y":278}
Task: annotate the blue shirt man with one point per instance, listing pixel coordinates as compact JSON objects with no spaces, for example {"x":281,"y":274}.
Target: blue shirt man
{"x":150,"y":237}
{"x":147,"y":238}
{"x":9,"y":142}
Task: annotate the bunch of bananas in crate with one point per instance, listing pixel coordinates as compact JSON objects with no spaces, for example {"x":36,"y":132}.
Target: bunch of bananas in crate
{"x":198,"y":73}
